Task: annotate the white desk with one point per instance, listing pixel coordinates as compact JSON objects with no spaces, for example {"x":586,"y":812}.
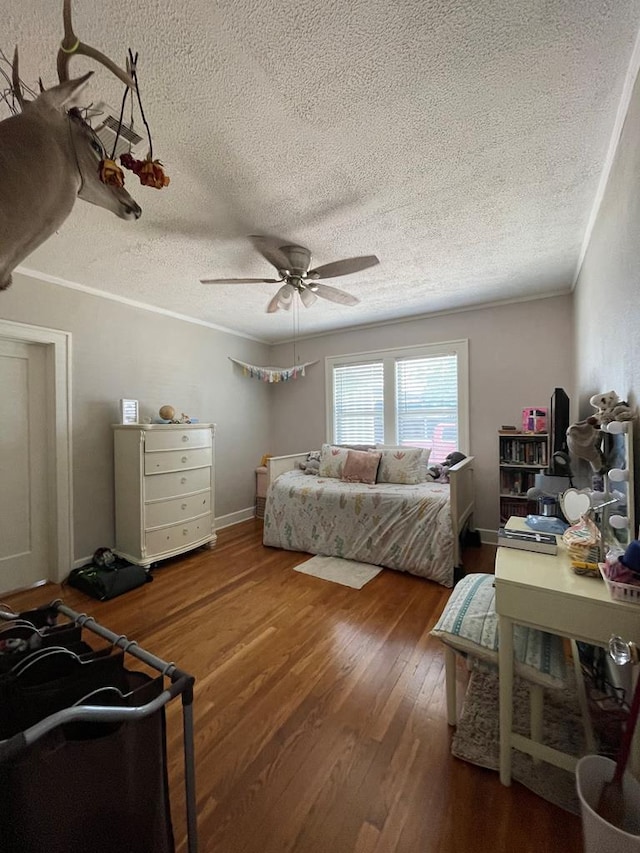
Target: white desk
{"x":543,"y":592}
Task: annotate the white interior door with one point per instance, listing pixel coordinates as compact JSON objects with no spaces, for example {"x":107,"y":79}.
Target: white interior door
{"x":24,"y":505}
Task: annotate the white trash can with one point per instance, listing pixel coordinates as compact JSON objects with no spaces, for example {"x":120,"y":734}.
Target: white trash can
{"x":600,"y":836}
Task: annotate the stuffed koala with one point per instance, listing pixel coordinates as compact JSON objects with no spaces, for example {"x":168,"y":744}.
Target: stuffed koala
{"x":453,"y":459}
{"x":605,"y":404}
{"x":440,"y":473}
{"x":311,"y":465}
{"x":611,"y":408}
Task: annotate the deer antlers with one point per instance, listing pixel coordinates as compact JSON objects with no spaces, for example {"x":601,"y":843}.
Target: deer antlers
{"x":15,"y":80}
{"x":71,"y":44}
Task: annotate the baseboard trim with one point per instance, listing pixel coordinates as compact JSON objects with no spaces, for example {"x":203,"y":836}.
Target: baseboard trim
{"x":488,"y":537}
{"x":221,"y":522}
{"x":235,"y":517}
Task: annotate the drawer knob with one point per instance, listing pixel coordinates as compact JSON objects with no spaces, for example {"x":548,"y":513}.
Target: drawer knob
{"x":185,"y":438}
{"x":183,"y":479}
{"x":184,"y":458}
{"x":185,"y":531}
{"x":184,"y":506}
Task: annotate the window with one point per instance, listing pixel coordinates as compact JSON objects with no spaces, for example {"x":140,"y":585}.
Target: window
{"x":415,"y":396}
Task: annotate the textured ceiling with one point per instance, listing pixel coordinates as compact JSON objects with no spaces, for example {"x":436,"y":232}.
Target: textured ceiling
{"x":461,"y":142}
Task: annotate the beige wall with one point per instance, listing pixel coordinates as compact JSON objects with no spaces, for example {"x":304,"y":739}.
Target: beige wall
{"x":607,"y":312}
{"x":122,"y":351}
{"x":518,"y":354}
{"x":606,"y":299}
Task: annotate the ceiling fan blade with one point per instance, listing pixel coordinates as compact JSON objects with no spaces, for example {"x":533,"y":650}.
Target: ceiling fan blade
{"x":335,"y":295}
{"x":345,"y":267}
{"x":307,"y":297}
{"x":240,"y":280}
{"x":269,"y":248}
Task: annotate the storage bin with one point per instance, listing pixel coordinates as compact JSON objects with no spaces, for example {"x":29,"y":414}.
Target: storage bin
{"x":621,"y":591}
{"x":600,"y":836}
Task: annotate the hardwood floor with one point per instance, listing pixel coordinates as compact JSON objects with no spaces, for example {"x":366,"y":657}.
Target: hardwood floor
{"x":320,"y":722}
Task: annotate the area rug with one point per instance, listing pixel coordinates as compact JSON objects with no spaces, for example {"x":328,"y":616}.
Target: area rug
{"x":335,"y":569}
{"x":477,"y":737}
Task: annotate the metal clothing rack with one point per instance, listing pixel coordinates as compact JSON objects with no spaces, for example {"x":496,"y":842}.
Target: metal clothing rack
{"x":181,"y":685}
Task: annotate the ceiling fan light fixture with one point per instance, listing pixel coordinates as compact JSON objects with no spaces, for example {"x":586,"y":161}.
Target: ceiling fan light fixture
{"x":307,"y":296}
{"x":285,"y":297}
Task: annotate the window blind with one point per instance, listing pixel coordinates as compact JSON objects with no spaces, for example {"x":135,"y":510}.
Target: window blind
{"x":427,"y":403}
{"x":358,"y":403}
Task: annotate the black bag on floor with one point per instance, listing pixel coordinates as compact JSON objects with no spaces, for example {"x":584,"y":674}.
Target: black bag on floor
{"x":104,"y":583}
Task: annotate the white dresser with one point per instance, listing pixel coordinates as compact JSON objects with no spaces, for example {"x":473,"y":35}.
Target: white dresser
{"x":164,"y":484}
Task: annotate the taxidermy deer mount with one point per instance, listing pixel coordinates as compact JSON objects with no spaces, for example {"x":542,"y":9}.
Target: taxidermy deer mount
{"x":49,"y":156}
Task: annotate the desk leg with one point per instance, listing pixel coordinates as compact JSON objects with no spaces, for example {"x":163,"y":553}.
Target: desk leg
{"x":505,"y":667}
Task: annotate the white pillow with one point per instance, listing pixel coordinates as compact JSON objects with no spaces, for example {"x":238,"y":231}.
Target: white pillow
{"x":332,"y":461}
{"x":424,"y":459}
{"x":402,"y":465}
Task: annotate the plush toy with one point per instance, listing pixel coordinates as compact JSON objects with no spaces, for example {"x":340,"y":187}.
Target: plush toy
{"x":311,"y":465}
{"x":623,"y":412}
{"x":440,"y":473}
{"x":583,"y":440}
{"x":453,"y":459}
{"x":611,"y":408}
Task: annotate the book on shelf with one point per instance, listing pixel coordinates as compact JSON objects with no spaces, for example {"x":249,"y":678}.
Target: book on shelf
{"x":543,"y":543}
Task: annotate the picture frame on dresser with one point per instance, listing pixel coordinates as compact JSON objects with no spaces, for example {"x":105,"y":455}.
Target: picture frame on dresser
{"x":164,"y":490}
{"x":129,"y":411}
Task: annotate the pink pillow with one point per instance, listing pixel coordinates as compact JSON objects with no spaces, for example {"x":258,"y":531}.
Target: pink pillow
{"x":361,"y":466}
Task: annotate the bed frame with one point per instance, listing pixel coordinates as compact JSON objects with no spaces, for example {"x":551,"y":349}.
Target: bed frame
{"x":461,"y":491}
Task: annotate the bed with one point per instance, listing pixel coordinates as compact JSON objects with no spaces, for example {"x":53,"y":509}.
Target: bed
{"x":413,"y":528}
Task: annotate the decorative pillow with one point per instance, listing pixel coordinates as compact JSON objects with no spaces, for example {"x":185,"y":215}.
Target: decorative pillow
{"x":424,"y":459}
{"x":403,"y":465}
{"x":332,"y":460}
{"x":469,"y":624}
{"x":361,"y":466}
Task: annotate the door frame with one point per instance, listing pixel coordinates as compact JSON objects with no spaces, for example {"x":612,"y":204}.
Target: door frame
{"x":57,"y":346}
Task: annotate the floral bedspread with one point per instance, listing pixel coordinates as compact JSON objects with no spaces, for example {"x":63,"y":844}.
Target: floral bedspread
{"x":398,"y":526}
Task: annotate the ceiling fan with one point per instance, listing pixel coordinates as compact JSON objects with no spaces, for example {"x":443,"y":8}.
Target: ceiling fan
{"x":292,"y":263}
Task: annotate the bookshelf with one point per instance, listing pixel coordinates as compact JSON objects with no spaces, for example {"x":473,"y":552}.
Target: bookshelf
{"x":521,"y":456}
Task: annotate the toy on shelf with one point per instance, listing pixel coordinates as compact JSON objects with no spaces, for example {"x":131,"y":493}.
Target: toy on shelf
{"x":611,"y":408}
{"x":168,"y":416}
{"x":534,"y":419}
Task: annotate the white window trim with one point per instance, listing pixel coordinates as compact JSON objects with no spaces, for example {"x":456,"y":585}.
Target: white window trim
{"x":459,"y":348}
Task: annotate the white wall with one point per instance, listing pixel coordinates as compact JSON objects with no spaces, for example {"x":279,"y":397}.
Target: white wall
{"x":607,"y":308}
{"x":518,"y":354}
{"x":606,"y":299}
{"x":122,"y":351}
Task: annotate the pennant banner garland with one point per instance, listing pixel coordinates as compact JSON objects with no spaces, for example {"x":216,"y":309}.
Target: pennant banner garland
{"x":273,"y":374}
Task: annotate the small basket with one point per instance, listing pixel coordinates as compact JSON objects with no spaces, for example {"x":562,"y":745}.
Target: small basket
{"x":621,"y":591}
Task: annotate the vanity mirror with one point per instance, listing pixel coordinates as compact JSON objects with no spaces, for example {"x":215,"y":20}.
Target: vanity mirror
{"x":618,"y":518}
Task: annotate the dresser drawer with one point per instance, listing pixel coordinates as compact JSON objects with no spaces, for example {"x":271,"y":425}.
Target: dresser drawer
{"x":176,"y":483}
{"x":178,"y":535}
{"x":175,"y":509}
{"x":173,"y":439}
{"x":176,"y":460}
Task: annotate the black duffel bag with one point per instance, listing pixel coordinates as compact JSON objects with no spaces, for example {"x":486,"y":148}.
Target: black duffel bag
{"x":105,"y":582}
